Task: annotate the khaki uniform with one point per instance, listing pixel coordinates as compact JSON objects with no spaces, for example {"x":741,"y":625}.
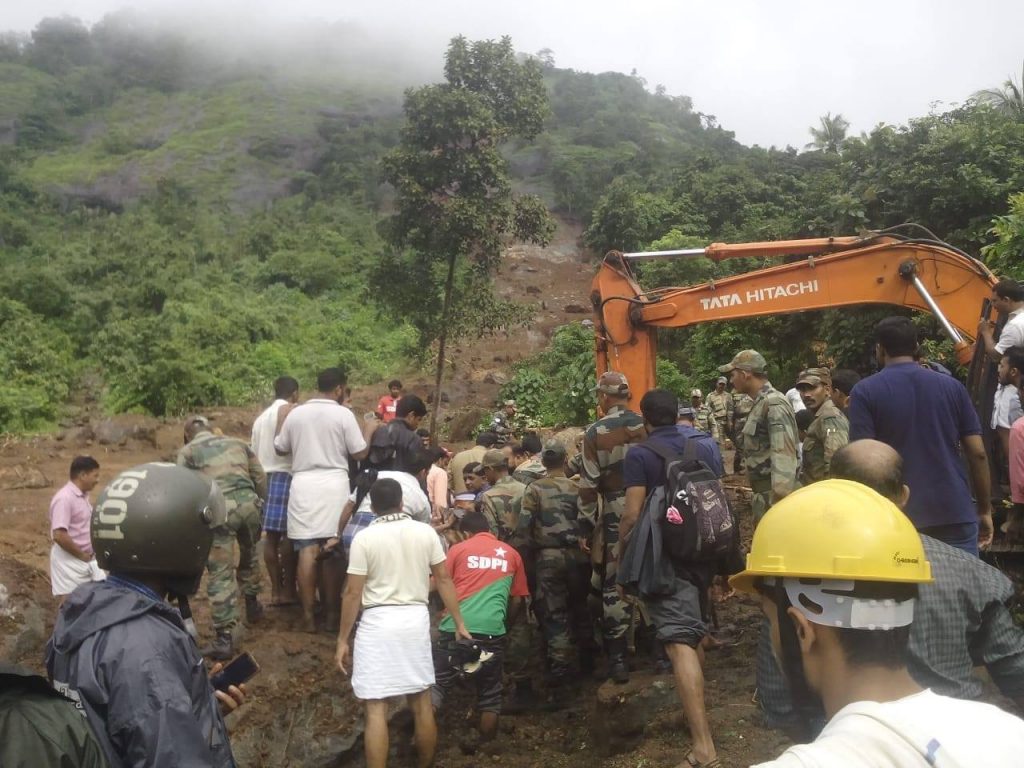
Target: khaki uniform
{"x":604,"y":450}
{"x":232,"y":465}
{"x":769,"y":439}
{"x":705,"y":421}
{"x":721,"y":405}
{"x":829,"y":432}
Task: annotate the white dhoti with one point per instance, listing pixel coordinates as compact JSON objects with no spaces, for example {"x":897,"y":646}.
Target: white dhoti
{"x":67,"y":571}
{"x":391,"y":655}
{"x":315,"y":502}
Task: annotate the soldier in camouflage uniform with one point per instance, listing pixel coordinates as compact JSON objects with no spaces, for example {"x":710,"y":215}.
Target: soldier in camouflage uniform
{"x":741,"y":405}
{"x":533,"y":468}
{"x":769,"y":437}
{"x":232,"y":465}
{"x":604,"y":447}
{"x":830,"y":429}
{"x":721,"y":404}
{"x":703,"y":417}
{"x":548,"y":534}
{"x":503,"y":422}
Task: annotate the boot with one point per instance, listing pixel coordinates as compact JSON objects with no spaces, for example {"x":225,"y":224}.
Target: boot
{"x":253,"y":609}
{"x":222,"y":649}
{"x":618,"y":666}
{"x":522,"y":698}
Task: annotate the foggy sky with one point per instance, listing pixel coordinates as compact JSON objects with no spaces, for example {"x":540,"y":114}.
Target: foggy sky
{"x":766,"y":69}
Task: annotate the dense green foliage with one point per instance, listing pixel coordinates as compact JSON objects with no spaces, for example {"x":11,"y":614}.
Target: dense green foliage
{"x":181,"y":222}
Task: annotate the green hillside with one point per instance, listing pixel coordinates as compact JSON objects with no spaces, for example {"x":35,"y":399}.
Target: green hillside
{"x":180,"y":222}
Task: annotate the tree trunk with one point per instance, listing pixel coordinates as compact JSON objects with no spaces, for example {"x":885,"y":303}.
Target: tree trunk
{"x":442,"y":340}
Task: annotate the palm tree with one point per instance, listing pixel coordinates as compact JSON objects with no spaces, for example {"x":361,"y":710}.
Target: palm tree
{"x":829,"y":137}
{"x":1009,"y":100}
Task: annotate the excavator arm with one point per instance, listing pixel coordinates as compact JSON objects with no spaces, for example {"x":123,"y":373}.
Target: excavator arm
{"x":833,"y":272}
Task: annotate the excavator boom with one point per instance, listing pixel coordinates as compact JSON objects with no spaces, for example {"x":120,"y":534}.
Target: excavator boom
{"x":921,"y":274}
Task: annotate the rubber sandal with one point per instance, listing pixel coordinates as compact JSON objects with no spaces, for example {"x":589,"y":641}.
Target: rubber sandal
{"x":692,"y":762}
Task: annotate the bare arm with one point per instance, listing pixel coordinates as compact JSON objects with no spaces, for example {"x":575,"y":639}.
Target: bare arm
{"x":351,"y":602}
{"x":981,"y":482}
{"x":62,"y":539}
{"x":635,"y":497}
{"x":986,"y":337}
{"x":446,"y":589}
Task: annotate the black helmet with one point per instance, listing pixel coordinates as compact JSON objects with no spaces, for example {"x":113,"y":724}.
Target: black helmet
{"x":158,"y":519}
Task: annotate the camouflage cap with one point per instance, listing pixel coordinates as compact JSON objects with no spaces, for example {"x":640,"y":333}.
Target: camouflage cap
{"x":696,"y":393}
{"x":722,"y":380}
{"x":814,"y":376}
{"x":553,"y":449}
{"x":493,"y":458}
{"x":613,"y":383}
{"x":748,"y":360}
{"x":507,"y":403}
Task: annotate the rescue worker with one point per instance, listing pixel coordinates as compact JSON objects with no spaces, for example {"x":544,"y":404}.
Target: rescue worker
{"x":769,"y":437}
{"x":533,"y":468}
{"x":721,"y":404}
{"x":741,"y":405}
{"x":502,"y":501}
{"x":503,"y":422}
{"x":837,"y":568}
{"x":604,"y":447}
{"x":120,"y":651}
{"x":232,"y":465}
{"x":548,"y":534}
{"x":703,"y":418}
{"x":829,"y":430}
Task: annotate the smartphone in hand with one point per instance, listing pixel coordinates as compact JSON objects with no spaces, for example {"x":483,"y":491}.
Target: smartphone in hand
{"x":239,"y":670}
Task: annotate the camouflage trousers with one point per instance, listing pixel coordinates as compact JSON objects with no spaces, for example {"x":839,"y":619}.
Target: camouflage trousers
{"x":616,"y":611}
{"x":563,"y":577}
{"x":522,"y":638}
{"x":243,"y":526}
{"x":759,"y":504}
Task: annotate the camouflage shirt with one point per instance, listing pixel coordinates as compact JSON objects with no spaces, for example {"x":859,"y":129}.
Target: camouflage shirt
{"x":501,"y":504}
{"x":228,"y":462}
{"x":529,"y":471}
{"x":549,"y":515}
{"x":721,"y":405}
{"x":705,"y":421}
{"x":574,"y":467}
{"x":769,"y":439}
{"x":741,"y":405}
{"x":829,"y":432}
{"x":604,"y":447}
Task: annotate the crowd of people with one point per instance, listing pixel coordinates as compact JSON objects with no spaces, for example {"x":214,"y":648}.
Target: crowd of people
{"x":520,"y":567}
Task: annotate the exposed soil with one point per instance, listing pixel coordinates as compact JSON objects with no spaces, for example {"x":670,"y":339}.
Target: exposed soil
{"x":301,"y":711}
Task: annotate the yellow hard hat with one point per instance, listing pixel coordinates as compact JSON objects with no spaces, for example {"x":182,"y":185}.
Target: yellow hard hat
{"x":835,"y":529}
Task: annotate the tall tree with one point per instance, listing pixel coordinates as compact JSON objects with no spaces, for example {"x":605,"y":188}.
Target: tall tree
{"x":455,"y":208}
{"x":830,"y":135}
{"x":1009,"y":100}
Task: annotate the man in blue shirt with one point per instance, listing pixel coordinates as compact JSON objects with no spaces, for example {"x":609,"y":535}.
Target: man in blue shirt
{"x":928,"y":418}
{"x":677,"y":616}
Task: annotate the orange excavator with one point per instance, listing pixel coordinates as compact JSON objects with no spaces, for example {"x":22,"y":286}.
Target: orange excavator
{"x":886,"y":267}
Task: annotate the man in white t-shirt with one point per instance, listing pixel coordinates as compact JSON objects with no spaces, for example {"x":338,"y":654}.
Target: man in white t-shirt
{"x":278,"y":554}
{"x":322,"y":436}
{"x":1008,"y":298}
{"x":389,"y":578}
{"x":836,"y":567}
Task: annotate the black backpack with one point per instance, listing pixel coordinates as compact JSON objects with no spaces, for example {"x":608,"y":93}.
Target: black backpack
{"x":383,"y":452}
{"x":690,"y":507}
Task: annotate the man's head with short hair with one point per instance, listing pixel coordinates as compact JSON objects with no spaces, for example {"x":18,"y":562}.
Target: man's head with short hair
{"x":474,"y":522}
{"x":411,"y":410}
{"x":196,"y":425}
{"x":487,"y":439}
{"x":84,"y":472}
{"x":395,"y":388}
{"x":843,"y":382}
{"x":895,"y":337}
{"x":418,"y":463}
{"x":331,"y":382}
{"x":874,"y":464}
{"x":1007,"y":295}
{"x":286,"y":388}
{"x":804,"y":419}
{"x":531,"y":443}
{"x":385,"y":497}
{"x":659,"y":407}
{"x":1014,"y":365}
{"x":473,"y":476}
